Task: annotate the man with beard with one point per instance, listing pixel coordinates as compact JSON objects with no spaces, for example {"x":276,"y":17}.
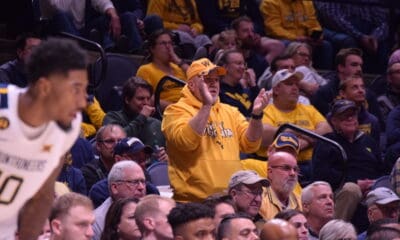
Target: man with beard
{"x":282,"y":174}
{"x":318,"y":206}
{"x":245,"y":188}
{"x":258,"y":51}
{"x":286,"y":109}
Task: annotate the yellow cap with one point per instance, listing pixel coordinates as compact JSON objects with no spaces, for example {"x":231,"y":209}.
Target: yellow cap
{"x":202,"y":67}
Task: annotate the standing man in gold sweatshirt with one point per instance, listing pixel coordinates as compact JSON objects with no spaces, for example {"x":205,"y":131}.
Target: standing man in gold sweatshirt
{"x":204,"y":136}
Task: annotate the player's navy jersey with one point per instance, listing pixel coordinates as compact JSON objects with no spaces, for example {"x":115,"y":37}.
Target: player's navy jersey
{"x":25,"y":164}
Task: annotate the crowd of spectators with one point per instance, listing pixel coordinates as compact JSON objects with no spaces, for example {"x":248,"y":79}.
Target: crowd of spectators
{"x":250,"y":66}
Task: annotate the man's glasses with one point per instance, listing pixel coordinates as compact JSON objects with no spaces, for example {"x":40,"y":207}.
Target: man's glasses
{"x":287,"y":168}
{"x":133,"y":183}
{"x":251,"y":194}
{"x":109,"y":142}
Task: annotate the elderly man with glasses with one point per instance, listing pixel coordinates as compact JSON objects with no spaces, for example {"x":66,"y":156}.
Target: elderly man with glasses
{"x":283,"y":173}
{"x":245,"y":188}
{"x":126,"y":179}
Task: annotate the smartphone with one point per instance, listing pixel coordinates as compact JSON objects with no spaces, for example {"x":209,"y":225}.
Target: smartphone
{"x":316,"y":34}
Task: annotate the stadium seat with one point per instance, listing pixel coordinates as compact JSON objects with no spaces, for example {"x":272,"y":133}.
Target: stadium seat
{"x":159,"y":173}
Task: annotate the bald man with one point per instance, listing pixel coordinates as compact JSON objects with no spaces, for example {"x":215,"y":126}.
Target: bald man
{"x":283,"y":175}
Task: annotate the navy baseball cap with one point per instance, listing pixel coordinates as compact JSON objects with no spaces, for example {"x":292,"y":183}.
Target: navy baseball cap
{"x":340,"y":106}
{"x":131,"y":145}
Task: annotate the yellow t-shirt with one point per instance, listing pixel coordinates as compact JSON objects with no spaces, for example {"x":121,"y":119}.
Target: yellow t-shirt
{"x":304,"y":116}
{"x":151,"y":74}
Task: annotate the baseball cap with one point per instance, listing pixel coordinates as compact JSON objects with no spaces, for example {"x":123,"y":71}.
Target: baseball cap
{"x":381,"y":196}
{"x":341,"y":106}
{"x":131,"y":145}
{"x":202,"y":67}
{"x":285,"y":74}
{"x":246,"y":177}
{"x":287,"y":139}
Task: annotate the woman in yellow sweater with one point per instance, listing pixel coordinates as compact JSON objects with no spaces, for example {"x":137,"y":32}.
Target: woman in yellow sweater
{"x":163,"y":62}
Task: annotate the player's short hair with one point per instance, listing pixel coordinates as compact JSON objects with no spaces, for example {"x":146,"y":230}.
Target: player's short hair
{"x":55,"y":56}
{"x":64,"y":203}
{"x":188,"y":212}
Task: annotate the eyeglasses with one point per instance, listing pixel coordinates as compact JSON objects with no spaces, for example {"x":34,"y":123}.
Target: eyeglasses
{"x":165,"y":43}
{"x":240,"y":63}
{"x":287,"y":168}
{"x":251,"y":194}
{"x":303,"y":54}
{"x":110,"y":142}
{"x":349,"y":116}
{"x":133,"y":183}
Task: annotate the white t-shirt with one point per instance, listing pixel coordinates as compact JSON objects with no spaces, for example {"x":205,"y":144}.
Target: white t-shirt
{"x":26,"y":163}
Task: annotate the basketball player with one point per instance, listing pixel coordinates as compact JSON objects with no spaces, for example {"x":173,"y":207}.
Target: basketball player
{"x":38,"y":125}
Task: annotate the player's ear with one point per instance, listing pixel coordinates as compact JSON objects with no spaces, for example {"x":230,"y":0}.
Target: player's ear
{"x":43,"y":86}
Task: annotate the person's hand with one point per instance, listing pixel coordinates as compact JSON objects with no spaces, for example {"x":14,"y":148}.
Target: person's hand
{"x":193,"y":32}
{"x":249,"y":77}
{"x":161,"y":155}
{"x":147,"y":110}
{"x":115,"y":27}
{"x":309,"y":88}
{"x":369,"y":43}
{"x":140,"y":24}
{"x":185,"y":28}
{"x":365,"y":185}
{"x":261,"y":101}
{"x":173,"y":57}
{"x":206,"y":97}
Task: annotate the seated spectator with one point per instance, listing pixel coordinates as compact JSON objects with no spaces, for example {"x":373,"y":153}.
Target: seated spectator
{"x":382,"y":203}
{"x":163,"y":62}
{"x":72,"y":177}
{"x":106,"y":139}
{"x":126,"y":179}
{"x":353,"y":89}
{"x":82,"y":152}
{"x":364,"y":24}
{"x":192,"y":221}
{"x":394,"y":57}
{"x":384,"y":229}
{"x":257,"y":51}
{"x":279,"y":63}
{"x":222,"y":206}
{"x":14,"y":71}
{"x":286,"y":109}
{"x":226,"y":40}
{"x":278,"y":229}
{"x":297,"y":219}
{"x":282,"y":175}
{"x":338,"y":229}
{"x":151,"y":217}
{"x":135,"y":116}
{"x":205,"y":137}
{"x":245,"y":188}
{"x":93,"y":117}
{"x":348,"y":63}
{"x":126,"y":149}
{"x":71,"y":217}
{"x":119,"y":223}
{"x":392,"y":137}
{"x":181,"y":17}
{"x":116,"y":24}
{"x":297,"y":21}
{"x":218,"y":16}
{"x":391,"y":97}
{"x":318,"y":206}
{"x":363,"y":160}
{"x":237,"y":226}
{"x":301,"y":53}
{"x":238,"y":86}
